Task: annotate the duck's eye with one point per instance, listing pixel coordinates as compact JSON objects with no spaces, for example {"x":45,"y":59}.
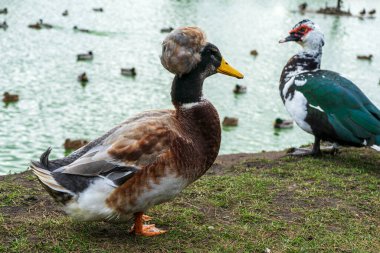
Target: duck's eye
{"x":302,"y":30}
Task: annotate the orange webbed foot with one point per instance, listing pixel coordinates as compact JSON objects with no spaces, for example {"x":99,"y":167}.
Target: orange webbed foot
{"x":145,"y":230}
{"x":150,"y":230}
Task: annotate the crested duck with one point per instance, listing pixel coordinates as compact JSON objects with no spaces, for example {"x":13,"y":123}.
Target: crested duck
{"x":4,"y":25}
{"x":65,"y":13}
{"x":365,"y":57}
{"x":362,"y":12}
{"x":85,"y":57}
{"x":4,"y":11}
{"x":76,"y":29}
{"x":151,"y":157}
{"x":240,"y":89}
{"x":83,"y":78}
{"x":322,"y":102}
{"x":10,"y":98}
{"x":167,"y":29}
{"x":74,"y":144}
{"x":98,"y":9}
{"x":230,"y":121}
{"x":282,"y":123}
{"x":128,"y":72}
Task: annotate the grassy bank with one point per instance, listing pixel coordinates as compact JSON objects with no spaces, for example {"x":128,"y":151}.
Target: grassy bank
{"x":246,"y":203}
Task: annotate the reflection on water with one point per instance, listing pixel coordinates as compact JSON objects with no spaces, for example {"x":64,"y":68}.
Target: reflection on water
{"x":41,"y":67}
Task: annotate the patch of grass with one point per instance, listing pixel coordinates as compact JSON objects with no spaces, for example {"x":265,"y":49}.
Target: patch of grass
{"x":327,"y":204}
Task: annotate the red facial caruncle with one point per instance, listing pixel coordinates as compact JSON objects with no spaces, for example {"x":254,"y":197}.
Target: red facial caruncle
{"x":301,"y":31}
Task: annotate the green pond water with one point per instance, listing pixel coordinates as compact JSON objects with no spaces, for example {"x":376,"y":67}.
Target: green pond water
{"x":41,"y":67}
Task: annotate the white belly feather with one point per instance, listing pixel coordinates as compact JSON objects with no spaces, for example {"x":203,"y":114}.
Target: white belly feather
{"x":90,"y":204}
{"x":296,"y":106}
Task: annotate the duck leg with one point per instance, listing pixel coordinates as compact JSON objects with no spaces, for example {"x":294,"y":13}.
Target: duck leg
{"x":145,"y":230}
{"x":316,"y":151}
{"x":146,"y":218}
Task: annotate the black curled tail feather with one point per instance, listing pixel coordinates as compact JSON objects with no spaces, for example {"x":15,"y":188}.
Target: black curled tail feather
{"x":44,"y":158}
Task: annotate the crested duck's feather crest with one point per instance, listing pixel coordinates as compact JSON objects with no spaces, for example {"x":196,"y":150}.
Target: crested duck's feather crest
{"x":181,"y":49}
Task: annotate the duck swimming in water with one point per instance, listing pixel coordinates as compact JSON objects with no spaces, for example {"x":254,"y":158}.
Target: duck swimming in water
{"x":4,"y":25}
{"x":282,"y":123}
{"x":150,"y":158}
{"x":85,"y":57}
{"x":76,"y":29}
{"x":322,"y":102}
{"x":4,"y":11}
{"x":10,"y":98}
{"x":129,"y":72}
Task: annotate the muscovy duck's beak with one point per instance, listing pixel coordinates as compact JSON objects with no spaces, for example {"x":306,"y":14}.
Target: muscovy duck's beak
{"x":291,"y":37}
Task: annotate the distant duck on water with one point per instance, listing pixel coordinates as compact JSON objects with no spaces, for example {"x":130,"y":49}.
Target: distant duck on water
{"x":128,"y":72}
{"x":45,"y":25}
{"x":39,"y":25}
{"x":362,"y":12}
{"x":322,"y":102}
{"x":302,"y":7}
{"x":98,"y":9}
{"x":230,"y":122}
{"x":167,"y":29}
{"x":10,"y":98}
{"x":83,"y":78}
{"x":4,"y":25}
{"x":85,"y":57}
{"x":150,"y":158}
{"x":240,"y":89}
{"x":254,"y":52}
{"x":365,"y":57}
{"x":75,"y":28}
{"x":74,"y":144}
{"x":36,"y":26}
{"x":65,"y":13}
{"x":4,"y":11}
{"x":372,"y":12}
{"x":282,"y":123}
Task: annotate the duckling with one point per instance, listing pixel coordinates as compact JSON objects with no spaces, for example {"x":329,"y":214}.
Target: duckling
{"x":150,"y":158}
{"x":129,"y":72}
{"x":283,"y":123}
{"x":362,"y":12}
{"x":98,"y":9}
{"x":254,"y":52}
{"x":372,"y":12}
{"x":82,"y":78}
{"x":230,"y":121}
{"x":10,"y":98}
{"x":4,"y":11}
{"x":81,"y":30}
{"x":74,"y":144}
{"x":65,"y":13}
{"x":167,"y":30}
{"x":240,"y":89}
{"x":4,"y":25}
{"x":85,"y":57}
{"x":365,"y":57}
{"x":302,"y":7}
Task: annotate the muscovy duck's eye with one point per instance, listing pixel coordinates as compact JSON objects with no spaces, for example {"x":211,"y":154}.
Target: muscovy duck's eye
{"x":302,"y":30}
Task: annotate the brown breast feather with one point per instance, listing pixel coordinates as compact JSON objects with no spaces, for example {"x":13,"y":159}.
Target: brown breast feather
{"x":183,"y":143}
